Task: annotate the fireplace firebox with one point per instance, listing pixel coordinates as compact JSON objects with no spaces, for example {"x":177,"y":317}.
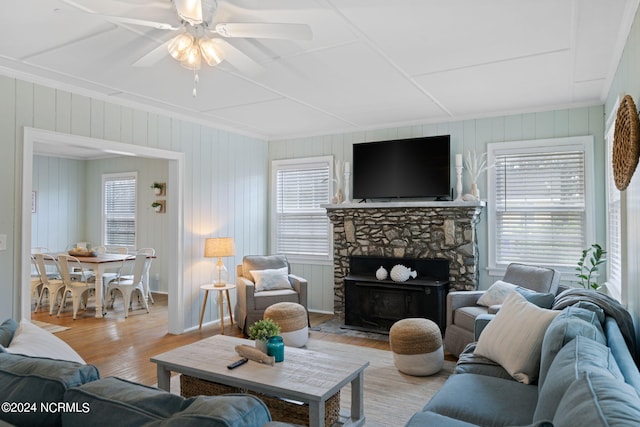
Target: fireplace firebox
{"x":375,"y":305}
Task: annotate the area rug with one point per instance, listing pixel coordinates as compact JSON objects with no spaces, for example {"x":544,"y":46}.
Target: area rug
{"x":390,"y":397}
{"x":336,"y":326}
{"x":50,"y":327}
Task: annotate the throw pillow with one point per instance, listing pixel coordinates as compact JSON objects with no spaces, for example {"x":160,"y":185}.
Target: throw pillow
{"x":31,"y":340}
{"x":7,"y":329}
{"x":514,"y":337}
{"x":496,"y":293}
{"x":540,"y":299}
{"x":269,"y":280}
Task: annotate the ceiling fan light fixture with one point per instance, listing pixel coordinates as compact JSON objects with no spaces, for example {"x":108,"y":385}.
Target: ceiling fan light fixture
{"x":193,"y":58}
{"x":211,"y":51}
{"x":180,"y":46}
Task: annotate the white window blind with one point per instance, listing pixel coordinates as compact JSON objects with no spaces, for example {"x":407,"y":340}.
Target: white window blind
{"x":539,"y":204}
{"x":119,"y":225}
{"x":301,"y":228}
{"x":614,"y":227}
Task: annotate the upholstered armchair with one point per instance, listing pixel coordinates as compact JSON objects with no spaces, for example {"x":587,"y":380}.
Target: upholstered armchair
{"x":463,"y":308}
{"x":263,"y":281}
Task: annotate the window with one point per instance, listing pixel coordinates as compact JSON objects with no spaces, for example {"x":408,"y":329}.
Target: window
{"x":539,"y":209}
{"x":614,"y":223}
{"x":119,"y":209}
{"x":300,"y":228}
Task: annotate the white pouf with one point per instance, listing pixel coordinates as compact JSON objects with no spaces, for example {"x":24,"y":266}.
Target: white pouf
{"x":293,"y":321}
{"x":417,"y":348}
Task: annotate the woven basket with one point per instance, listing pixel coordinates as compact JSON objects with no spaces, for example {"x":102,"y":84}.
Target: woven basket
{"x":626,"y":143}
{"x":284,"y":410}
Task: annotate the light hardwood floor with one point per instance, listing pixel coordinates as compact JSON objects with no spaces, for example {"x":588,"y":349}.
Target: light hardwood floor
{"x":122,"y":347}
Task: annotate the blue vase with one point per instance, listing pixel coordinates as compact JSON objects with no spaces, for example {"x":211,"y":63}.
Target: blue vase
{"x":275,"y":348}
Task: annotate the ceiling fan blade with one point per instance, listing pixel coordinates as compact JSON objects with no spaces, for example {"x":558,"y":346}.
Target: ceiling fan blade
{"x":124,"y":20}
{"x":264,"y":30}
{"x":240,"y":60}
{"x":153,"y":56}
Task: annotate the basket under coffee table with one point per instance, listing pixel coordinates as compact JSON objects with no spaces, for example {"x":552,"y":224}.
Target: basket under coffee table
{"x":306,"y":382}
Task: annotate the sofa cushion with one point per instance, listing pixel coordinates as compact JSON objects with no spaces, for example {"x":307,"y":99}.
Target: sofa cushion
{"x":486,"y":401}
{"x":579,"y":355}
{"x":230,"y":410}
{"x":262,"y":262}
{"x":514,"y":337}
{"x":465,"y":317}
{"x":271,"y":279}
{"x":134,"y":404}
{"x":470,"y":363}
{"x":496,"y":294}
{"x":31,"y":340}
{"x":39,"y":380}
{"x":421,"y":419}
{"x":7,"y":329}
{"x":596,"y":400}
{"x":571,"y":322}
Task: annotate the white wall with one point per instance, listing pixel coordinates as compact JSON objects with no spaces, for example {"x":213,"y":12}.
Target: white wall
{"x":627,"y":82}
{"x":225,"y":188}
{"x":465,"y":135}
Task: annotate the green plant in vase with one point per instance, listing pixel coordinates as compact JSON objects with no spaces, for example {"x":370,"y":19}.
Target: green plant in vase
{"x":261,"y":331}
{"x":591,"y":258}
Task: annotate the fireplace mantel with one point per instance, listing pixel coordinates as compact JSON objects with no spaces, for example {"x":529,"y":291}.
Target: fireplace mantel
{"x":406,"y":229}
{"x":400,"y":205}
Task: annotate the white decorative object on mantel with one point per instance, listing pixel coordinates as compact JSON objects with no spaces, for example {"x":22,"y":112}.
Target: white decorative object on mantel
{"x":339,"y":195}
{"x":400,"y":273}
{"x":381,"y":273}
{"x":475,"y":166}
{"x":459,"y":178}
{"x":347,"y":175}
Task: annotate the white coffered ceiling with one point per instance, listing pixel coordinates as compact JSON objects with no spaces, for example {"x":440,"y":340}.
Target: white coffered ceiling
{"x":370,"y":64}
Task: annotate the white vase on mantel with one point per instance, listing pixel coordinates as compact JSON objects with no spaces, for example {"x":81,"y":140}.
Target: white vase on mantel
{"x":473,"y":194}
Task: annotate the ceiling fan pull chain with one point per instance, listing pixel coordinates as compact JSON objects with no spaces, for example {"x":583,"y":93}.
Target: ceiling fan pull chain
{"x":196,"y":79}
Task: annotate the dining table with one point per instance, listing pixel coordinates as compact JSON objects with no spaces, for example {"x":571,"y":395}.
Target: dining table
{"x":99,"y":264}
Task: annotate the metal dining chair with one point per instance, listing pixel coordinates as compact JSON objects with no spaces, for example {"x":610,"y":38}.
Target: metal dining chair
{"x":127,"y":286}
{"x":79,"y":288}
{"x":53,"y":287}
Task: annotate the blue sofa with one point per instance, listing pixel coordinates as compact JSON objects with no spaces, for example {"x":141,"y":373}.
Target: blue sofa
{"x":587,"y":377}
{"x":41,"y":391}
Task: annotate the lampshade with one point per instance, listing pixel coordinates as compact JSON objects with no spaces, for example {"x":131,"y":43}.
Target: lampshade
{"x":219,"y":247}
{"x":179,"y":46}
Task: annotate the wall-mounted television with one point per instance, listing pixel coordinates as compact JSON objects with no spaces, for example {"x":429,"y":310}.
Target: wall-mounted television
{"x":409,"y":168}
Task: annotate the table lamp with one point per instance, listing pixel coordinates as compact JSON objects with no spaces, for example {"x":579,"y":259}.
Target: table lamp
{"x":218,"y":247}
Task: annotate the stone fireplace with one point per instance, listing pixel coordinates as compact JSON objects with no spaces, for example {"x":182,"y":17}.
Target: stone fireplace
{"x":418,"y":230}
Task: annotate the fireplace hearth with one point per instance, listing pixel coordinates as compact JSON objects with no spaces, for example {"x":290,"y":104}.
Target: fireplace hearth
{"x":375,"y":305}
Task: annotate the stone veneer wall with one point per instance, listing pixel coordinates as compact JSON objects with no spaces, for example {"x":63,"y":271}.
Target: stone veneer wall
{"x":406,"y":230}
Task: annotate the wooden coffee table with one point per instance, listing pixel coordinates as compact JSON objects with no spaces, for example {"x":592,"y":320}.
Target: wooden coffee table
{"x":306,"y":376}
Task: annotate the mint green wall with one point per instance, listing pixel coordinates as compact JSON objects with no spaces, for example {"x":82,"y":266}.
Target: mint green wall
{"x":465,"y":135}
{"x":627,"y":82}
{"x":225,"y":178}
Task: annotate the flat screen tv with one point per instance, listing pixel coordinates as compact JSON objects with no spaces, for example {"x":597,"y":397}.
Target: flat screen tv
{"x":409,"y":168}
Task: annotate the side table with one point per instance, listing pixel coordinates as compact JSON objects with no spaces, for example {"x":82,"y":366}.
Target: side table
{"x":212,"y":287}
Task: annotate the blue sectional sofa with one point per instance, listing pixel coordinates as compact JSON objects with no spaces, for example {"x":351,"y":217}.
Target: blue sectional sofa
{"x":63,"y":391}
{"x":587,"y":377}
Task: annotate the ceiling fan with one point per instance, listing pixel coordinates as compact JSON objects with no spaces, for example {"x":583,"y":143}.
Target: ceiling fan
{"x":200,"y":39}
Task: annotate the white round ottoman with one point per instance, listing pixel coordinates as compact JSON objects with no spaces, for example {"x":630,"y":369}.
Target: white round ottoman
{"x":416,"y":344}
{"x":293,"y":321}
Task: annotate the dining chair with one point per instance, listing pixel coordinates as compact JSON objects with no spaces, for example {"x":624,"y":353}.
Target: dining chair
{"x":150,"y":252}
{"x":79,"y":288}
{"x":36,"y":280}
{"x":127,"y":286}
{"x":52,"y":286}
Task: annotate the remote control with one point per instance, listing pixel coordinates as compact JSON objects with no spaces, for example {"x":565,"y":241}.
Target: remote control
{"x":238,"y":363}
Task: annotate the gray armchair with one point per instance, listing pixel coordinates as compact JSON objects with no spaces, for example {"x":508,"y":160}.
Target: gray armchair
{"x":462,"y":308}
{"x":251,"y":303}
